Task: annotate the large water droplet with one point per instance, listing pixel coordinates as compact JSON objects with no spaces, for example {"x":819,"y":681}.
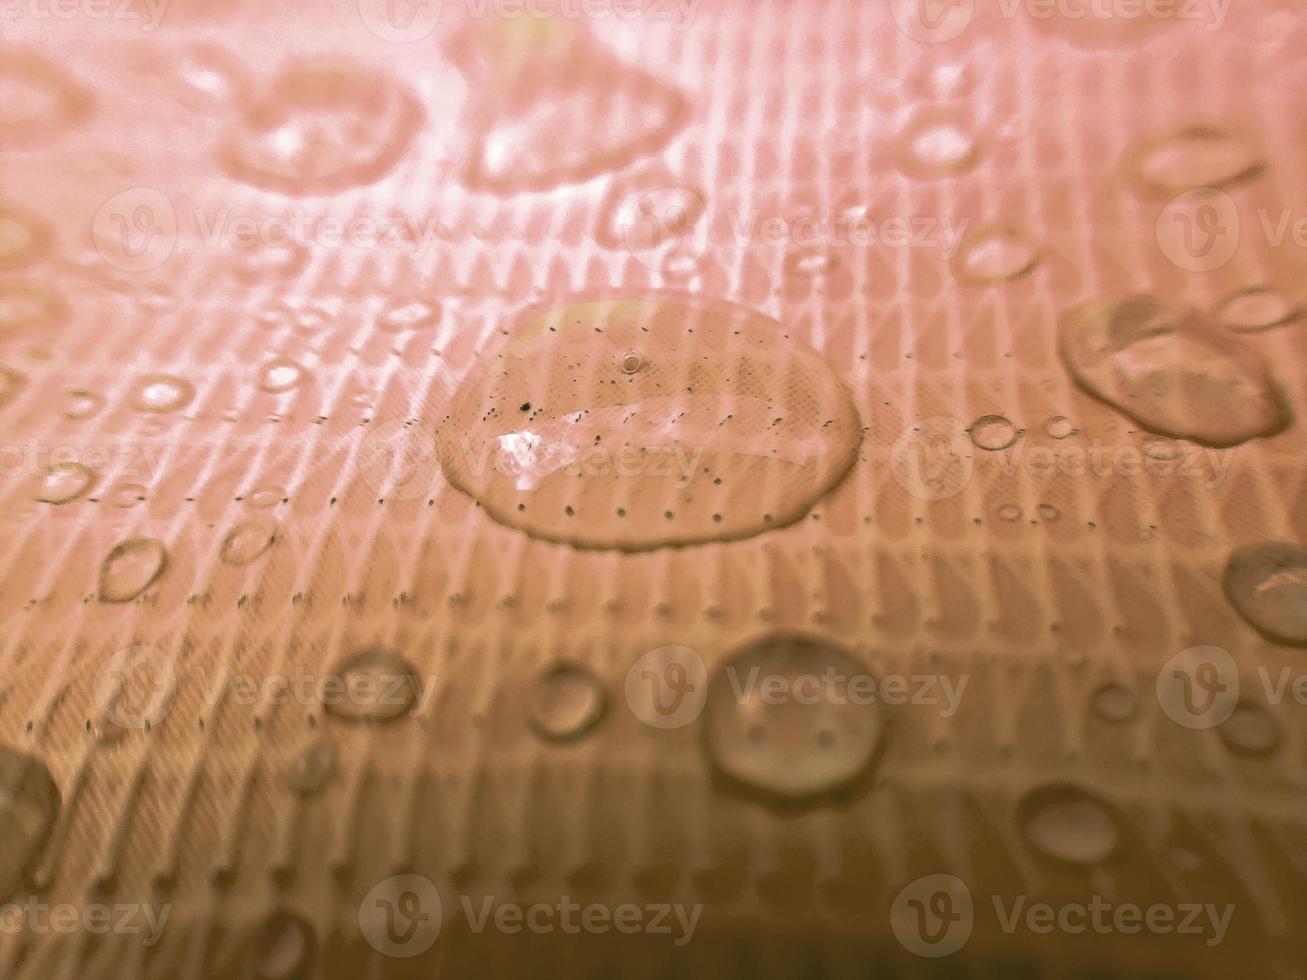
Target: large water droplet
{"x":131,"y":568}
{"x":1251,"y":730}
{"x":378,"y":686}
{"x":1171,"y":371}
{"x":793,"y":718}
{"x":63,"y":482}
{"x":26,"y":305}
{"x":162,"y":393}
{"x":727,"y":428}
{"x":22,"y":238}
{"x":1256,"y":308}
{"x":313,"y":766}
{"x":994,"y":254}
{"x":247,"y":541}
{"x":38,"y":100}
{"x":29,"y":807}
{"x":1064,"y":822}
{"x":567,"y":703}
{"x":322,"y":126}
{"x":1267,"y":584}
{"x":1195,"y":156}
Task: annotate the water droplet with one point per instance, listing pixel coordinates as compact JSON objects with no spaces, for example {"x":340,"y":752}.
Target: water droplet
{"x":131,"y":568}
{"x":632,"y":361}
{"x":379,"y":686}
{"x":162,"y":393}
{"x":1256,"y":308}
{"x":1251,"y":730}
{"x":778,"y":719}
{"x":1009,"y":512}
{"x":993,"y":432}
{"x":280,"y":374}
{"x":25,"y":306}
{"x":415,"y":314}
{"x":937,"y":146}
{"x":285,"y":948}
{"x":313,"y":766}
{"x":22,"y":238}
{"x":38,"y":100}
{"x":636,"y":220}
{"x":567,"y":703}
{"x":994,"y":254}
{"x":729,"y":427}
{"x":808,"y":263}
{"x":29,"y":808}
{"x":247,"y":541}
{"x":1171,"y":371}
{"x":1047,"y":512}
{"x":1267,"y":585}
{"x":1113,"y":702}
{"x":82,"y":404}
{"x":1067,"y":824}
{"x":1193,"y":157}
{"x":265,"y":495}
{"x":275,"y":260}
{"x":1059,"y":427}
{"x":125,"y":495}
{"x":320,"y":127}
{"x":63,"y":482}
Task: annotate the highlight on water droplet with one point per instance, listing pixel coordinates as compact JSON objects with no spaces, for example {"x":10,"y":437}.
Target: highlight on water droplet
{"x":377,"y":686}
{"x":808,"y":263}
{"x":29,"y":809}
{"x":1267,"y":585}
{"x":994,"y":254}
{"x":1068,"y":824}
{"x":411,"y":314}
{"x":789,"y":718}
{"x":937,"y":145}
{"x":162,"y":393}
{"x":82,"y":404}
{"x":27,"y":305}
{"x":131,"y":568}
{"x":1256,"y":308}
{"x":247,"y":541}
{"x":321,"y":126}
{"x":567,"y":703}
{"x":280,"y":374}
{"x":23,"y":238}
{"x":1195,"y":156}
{"x":64,"y":481}
{"x":1171,"y":371}
{"x":993,"y":432}
{"x":729,"y":427}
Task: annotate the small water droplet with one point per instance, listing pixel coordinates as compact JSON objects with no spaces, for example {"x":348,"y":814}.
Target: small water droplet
{"x":63,"y":482}
{"x":1267,"y":585}
{"x":1068,"y":824}
{"x":320,"y":127}
{"x":1047,"y":512}
{"x":1059,"y":427}
{"x":809,"y":263}
{"x":632,"y":361}
{"x":29,"y":808}
{"x":82,"y":404}
{"x":280,"y":374}
{"x":567,"y":703}
{"x":414,"y":314}
{"x":1113,"y":702}
{"x":994,"y":254}
{"x":637,"y":220}
{"x":285,"y":948}
{"x":1009,"y":512}
{"x":247,"y":541}
{"x":265,"y":495}
{"x":935,"y":146}
{"x":313,"y":766}
{"x":1171,"y":371}
{"x":813,"y":741}
{"x":1193,"y":157}
{"x":1257,"y":308}
{"x":22,"y":238}
{"x":378,"y":686}
{"x":131,"y":568}
{"x":993,"y":432}
{"x":26,"y":305}
{"x":125,"y":495}
{"x":162,"y":393}
{"x":1251,"y":730}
